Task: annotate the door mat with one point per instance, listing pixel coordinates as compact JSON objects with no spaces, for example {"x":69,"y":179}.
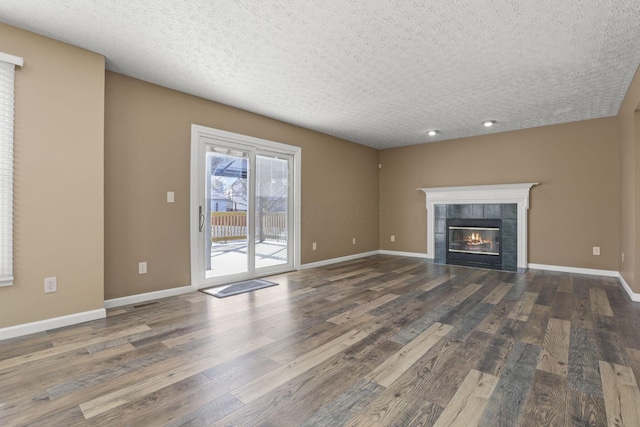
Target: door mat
{"x":238,"y":288}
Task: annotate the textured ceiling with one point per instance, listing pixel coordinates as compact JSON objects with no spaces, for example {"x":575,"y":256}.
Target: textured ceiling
{"x":380,"y":73}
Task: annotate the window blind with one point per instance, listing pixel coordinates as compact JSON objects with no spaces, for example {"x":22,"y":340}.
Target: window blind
{"x":7,"y":71}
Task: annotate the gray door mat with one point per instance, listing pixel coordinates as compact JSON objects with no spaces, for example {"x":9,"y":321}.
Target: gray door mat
{"x":238,"y":288}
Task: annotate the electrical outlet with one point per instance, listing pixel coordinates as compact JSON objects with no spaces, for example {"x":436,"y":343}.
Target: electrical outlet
{"x":596,"y":250}
{"x":393,"y":238}
{"x":314,"y":246}
{"x":142,"y":267}
{"x":354,"y":240}
{"x":50,"y":285}
{"x":170,"y":197}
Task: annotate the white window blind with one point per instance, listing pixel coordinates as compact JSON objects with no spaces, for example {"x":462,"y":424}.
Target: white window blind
{"x":7,"y":71}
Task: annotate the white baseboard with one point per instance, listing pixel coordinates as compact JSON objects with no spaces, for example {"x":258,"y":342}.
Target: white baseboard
{"x":407,"y":254}
{"x":53,"y":323}
{"x":634,"y":296}
{"x":337,"y":260}
{"x":149,"y":296}
{"x":592,"y":272}
{"x":576,"y":270}
{"x":361,"y":255}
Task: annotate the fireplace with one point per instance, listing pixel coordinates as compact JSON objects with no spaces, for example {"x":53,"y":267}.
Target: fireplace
{"x":474,"y":242}
{"x":472,"y":202}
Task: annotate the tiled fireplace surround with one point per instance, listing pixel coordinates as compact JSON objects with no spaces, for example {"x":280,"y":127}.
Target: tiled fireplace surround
{"x":507,"y":212}
{"x":509,"y":202}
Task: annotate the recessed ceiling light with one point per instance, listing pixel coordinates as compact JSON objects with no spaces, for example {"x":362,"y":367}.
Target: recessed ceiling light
{"x":488,"y":123}
{"x":432,"y":132}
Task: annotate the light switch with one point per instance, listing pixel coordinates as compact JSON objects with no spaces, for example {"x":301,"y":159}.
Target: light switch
{"x":170,"y":197}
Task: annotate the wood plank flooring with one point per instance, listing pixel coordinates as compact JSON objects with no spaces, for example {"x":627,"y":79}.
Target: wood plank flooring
{"x":380,"y":341}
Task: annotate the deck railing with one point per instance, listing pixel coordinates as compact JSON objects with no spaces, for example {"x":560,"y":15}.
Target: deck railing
{"x":274,"y":225}
{"x":227,"y":226}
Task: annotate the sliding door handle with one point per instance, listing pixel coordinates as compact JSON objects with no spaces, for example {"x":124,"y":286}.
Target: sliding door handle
{"x":202,"y":218}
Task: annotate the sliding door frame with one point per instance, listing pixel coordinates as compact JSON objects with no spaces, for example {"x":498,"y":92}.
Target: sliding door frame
{"x":201,"y":135}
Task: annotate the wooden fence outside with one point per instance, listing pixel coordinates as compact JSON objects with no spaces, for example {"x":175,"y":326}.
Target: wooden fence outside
{"x":227,"y":226}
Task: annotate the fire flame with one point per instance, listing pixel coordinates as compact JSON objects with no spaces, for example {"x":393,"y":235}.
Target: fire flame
{"x":476,"y":239}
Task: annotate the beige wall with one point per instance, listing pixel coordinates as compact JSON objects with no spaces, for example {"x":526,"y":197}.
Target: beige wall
{"x":629,"y":175}
{"x":147,"y":153}
{"x":576,"y":165}
{"x":59,"y":146}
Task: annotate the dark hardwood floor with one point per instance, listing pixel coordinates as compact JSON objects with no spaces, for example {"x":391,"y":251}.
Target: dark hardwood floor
{"x":381,"y":341}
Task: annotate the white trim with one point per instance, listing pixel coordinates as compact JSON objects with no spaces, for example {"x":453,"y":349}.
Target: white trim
{"x":634,"y":296}
{"x":400,"y":253}
{"x":337,"y":260}
{"x":297,"y":208}
{"x":53,"y":323}
{"x":480,"y":194}
{"x":193,"y":212}
{"x":11,"y":59}
{"x":149,"y":296}
{"x":591,"y":272}
{"x":576,"y":270}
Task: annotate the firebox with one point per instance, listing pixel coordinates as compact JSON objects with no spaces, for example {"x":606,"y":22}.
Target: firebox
{"x":474,"y":242}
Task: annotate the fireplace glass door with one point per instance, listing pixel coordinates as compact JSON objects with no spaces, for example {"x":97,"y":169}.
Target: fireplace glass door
{"x":475,"y":240}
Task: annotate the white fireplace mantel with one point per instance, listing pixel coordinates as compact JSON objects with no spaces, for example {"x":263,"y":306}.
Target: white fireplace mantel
{"x":481,"y":194}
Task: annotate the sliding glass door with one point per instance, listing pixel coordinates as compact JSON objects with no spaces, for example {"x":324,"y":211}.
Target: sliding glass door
{"x":272,"y":211}
{"x":227,"y":201}
{"x":243,"y":207}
